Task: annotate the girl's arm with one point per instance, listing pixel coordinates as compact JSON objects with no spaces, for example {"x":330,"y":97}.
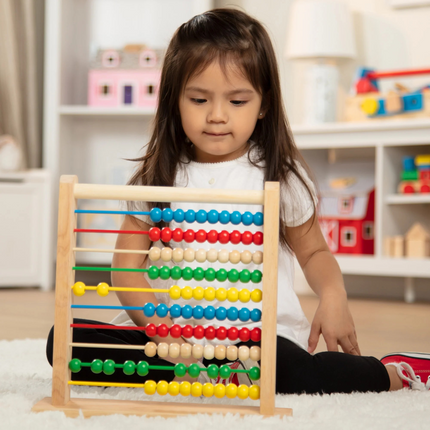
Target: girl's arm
{"x":332,"y":319}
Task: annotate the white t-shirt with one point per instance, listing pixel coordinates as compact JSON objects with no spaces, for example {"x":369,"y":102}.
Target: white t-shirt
{"x":237,"y":174}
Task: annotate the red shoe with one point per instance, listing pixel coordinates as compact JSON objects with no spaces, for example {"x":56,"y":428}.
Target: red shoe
{"x":412,"y":367}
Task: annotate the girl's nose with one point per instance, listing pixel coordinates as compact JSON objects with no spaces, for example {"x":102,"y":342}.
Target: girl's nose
{"x":217,"y":114}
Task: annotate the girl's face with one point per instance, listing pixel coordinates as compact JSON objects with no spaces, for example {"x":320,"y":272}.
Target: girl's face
{"x":219,"y":112}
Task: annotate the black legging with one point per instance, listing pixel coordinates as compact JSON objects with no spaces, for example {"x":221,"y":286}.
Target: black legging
{"x":297,"y":371}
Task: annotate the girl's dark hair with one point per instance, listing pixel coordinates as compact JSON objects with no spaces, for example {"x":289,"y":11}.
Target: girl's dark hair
{"x":221,"y":35}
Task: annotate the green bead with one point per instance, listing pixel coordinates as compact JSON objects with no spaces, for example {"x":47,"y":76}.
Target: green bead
{"x":97,"y":366}
{"x":180,"y":370}
{"x":254,"y":373}
{"x":187,"y":273}
{"x":176,"y":273}
{"x":75,"y":365}
{"x":221,"y":275}
{"x":233,"y":275}
{"x":194,"y":370}
{"x":224,"y":371}
{"x":142,"y":368}
{"x":109,"y":367}
{"x":213,"y":371}
{"x":210,"y":274}
{"x":198,"y":274}
{"x":129,"y":367}
{"x":256,"y":276}
{"x":153,"y":272}
{"x":245,"y":276}
{"x":165,"y":272}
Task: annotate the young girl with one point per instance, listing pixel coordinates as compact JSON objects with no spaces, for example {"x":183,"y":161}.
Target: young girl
{"x":220,"y":123}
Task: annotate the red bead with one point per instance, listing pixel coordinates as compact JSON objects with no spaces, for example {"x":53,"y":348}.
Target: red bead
{"x":244,"y":334}
{"x":201,"y":236}
{"x":199,"y":332}
{"x":166,"y":234}
{"x":154,"y":234}
{"x":151,"y":330}
{"x":212,"y":236}
{"x":175,"y":331}
{"x":247,"y":238}
{"x":233,"y":333}
{"x":256,"y":334}
{"x":235,"y":237}
{"x":221,"y":333}
{"x":258,"y":238}
{"x":163,"y":330}
{"x":425,"y":188}
{"x":223,"y":236}
{"x":189,"y":236}
{"x":177,"y":234}
{"x":187,"y":331}
{"x":409,"y":189}
{"x":210,"y":332}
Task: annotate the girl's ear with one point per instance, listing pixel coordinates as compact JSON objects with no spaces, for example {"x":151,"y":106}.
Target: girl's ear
{"x":264,"y":106}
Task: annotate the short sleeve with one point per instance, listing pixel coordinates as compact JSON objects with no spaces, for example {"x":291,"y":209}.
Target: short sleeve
{"x":298,"y":205}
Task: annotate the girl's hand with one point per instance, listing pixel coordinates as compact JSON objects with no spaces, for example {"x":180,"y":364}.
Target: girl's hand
{"x":334,"y":321}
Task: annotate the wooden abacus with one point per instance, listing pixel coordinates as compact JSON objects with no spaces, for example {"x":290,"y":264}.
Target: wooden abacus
{"x":70,"y":192}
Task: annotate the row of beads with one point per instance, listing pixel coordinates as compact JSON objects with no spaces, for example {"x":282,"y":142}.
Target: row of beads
{"x":201,"y":255}
{"x":201,"y":216}
{"x":212,"y":236}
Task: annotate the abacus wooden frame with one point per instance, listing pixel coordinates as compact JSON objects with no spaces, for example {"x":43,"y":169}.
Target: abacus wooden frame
{"x":70,"y":192}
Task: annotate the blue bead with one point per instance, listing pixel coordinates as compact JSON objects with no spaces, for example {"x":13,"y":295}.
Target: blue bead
{"x":247,"y":218}
{"x":232,"y":313}
{"x":162,"y":310}
{"x":244,"y":314}
{"x":224,"y":217}
{"x":155,"y":214}
{"x":190,"y":215}
{"x":221,"y":313}
{"x":167,"y":215}
{"x":175,"y":311}
{"x":209,"y":312}
{"x":179,"y":215}
{"x":256,"y":315}
{"x":236,"y":218}
{"x":213,"y":216}
{"x":258,"y":218}
{"x":149,"y":309}
{"x":198,"y":312}
{"x":201,"y":216}
{"x":187,"y":311}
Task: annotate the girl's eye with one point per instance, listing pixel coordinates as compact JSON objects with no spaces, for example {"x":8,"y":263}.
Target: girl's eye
{"x":198,"y":101}
{"x":238,"y":102}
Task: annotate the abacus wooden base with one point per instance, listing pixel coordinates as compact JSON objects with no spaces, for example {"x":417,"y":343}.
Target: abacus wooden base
{"x":94,"y":407}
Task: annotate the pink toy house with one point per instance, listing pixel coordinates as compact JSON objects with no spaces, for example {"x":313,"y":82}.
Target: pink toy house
{"x":128,"y":77}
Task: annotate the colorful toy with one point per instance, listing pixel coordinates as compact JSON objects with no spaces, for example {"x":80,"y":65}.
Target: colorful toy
{"x":368,"y":103}
{"x":128,"y":77}
{"x":64,"y":363}
{"x":415,"y":177}
{"x":414,"y":244}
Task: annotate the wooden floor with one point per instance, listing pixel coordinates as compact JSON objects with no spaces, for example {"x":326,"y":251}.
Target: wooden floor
{"x":382,"y":326}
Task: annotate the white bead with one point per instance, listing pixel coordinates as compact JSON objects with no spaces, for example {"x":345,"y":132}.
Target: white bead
{"x":234,"y":257}
{"x":212,"y":255}
{"x":197,"y":351}
{"x":178,"y":255}
{"x":257,"y":258}
{"x":189,"y":255}
{"x":232,"y":353}
{"x":186,"y":349}
{"x":154,"y":253}
{"x":209,"y":352}
{"x":223,"y":256}
{"x":166,"y":254}
{"x":220,"y":351}
{"x":255,"y":353}
{"x":174,"y":350}
{"x":243,"y":353}
{"x":150,"y":349}
{"x":201,"y":255}
{"x":246,"y":257}
{"x":163,"y":349}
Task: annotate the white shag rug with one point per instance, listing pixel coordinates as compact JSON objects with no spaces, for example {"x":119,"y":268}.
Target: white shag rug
{"x":25,"y":378}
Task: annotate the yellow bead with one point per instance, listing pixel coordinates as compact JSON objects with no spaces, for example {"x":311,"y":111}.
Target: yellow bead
{"x":231,"y":391}
{"x":103,"y":289}
{"x":173,"y":388}
{"x":208,"y":390}
{"x":198,"y":293}
{"x":187,"y":293}
{"x":256,"y":295}
{"x":370,"y":105}
{"x":232,"y":294}
{"x":162,"y":388}
{"x":150,"y":387}
{"x":221,"y":294}
{"x":79,"y":289}
{"x":219,"y":391}
{"x":210,"y":293}
{"x":244,"y":295}
{"x":242,"y":392}
{"x":254,"y":392}
{"x":175,"y":292}
{"x":196,"y":389}
{"x":185,"y":388}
